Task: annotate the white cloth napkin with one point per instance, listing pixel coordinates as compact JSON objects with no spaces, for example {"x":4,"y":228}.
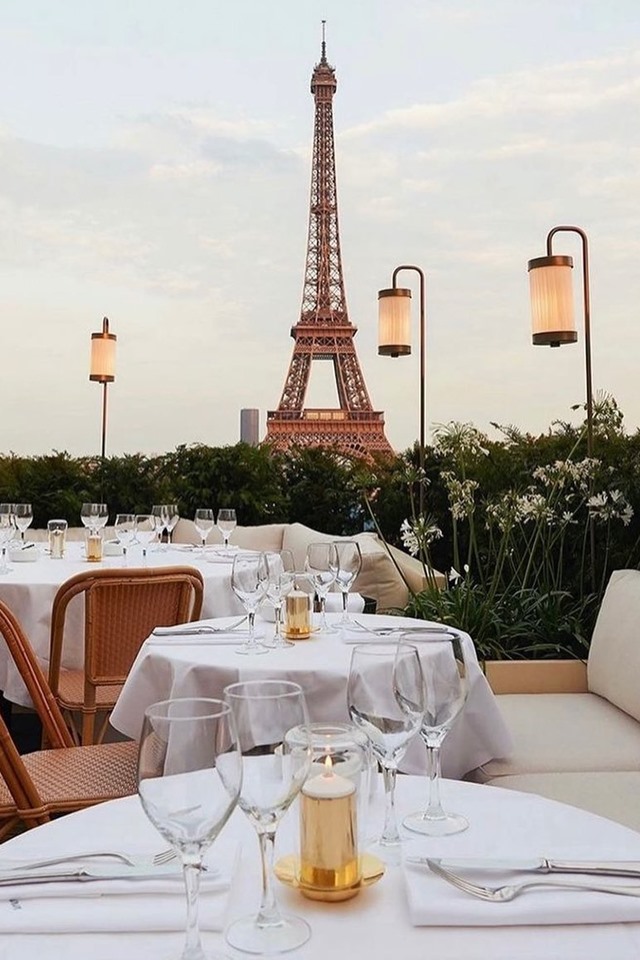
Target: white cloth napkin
{"x":109,"y":906}
{"x":434,"y":902}
{"x":355,"y":603}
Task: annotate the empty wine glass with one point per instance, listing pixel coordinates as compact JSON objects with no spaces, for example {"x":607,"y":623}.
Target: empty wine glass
{"x":23,"y":517}
{"x":189,"y":777}
{"x":125,"y":530}
{"x":145,"y":531}
{"x":173,"y":515}
{"x":161,"y":520}
{"x":249,"y":580}
{"x":386,"y":699}
{"x":94,"y":516}
{"x":226,"y":523}
{"x":274,"y":771}
{"x":321,"y":564}
{"x":348,"y":565}
{"x":7,"y":532}
{"x":446,"y":676}
{"x":281,"y":578}
{"x":203,"y":522}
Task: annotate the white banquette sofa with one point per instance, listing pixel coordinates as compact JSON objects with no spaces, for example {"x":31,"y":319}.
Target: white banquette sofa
{"x":576,"y":726}
{"x":385,"y":573}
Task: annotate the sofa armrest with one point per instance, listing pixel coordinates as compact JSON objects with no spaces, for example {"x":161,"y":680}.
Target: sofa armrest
{"x":537,"y":676}
{"x":413,"y":571}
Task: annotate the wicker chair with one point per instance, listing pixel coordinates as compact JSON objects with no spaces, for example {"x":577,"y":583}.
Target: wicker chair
{"x":121,"y":608}
{"x":65,"y":777}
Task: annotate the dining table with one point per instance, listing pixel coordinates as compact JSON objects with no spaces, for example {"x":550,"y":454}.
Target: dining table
{"x":410,"y":912}
{"x":178,"y":664}
{"x":30,"y":585}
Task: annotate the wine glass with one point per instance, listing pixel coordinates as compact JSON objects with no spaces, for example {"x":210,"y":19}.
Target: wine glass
{"x":203,"y":522}
{"x":348,"y":565}
{"x":125,"y":530}
{"x":173,"y":515}
{"x":7,"y":531}
{"x":446,"y":676}
{"x":320,"y":564}
{"x":249,"y":580}
{"x":226,"y":523}
{"x":281,"y":577}
{"x":386,"y":699}
{"x":160,"y":519}
{"x":145,"y":531}
{"x":23,"y":517}
{"x":94,"y":516}
{"x":273,"y":774}
{"x":189,"y":777}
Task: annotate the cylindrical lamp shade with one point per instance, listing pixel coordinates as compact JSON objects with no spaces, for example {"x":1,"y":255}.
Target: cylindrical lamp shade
{"x":103,"y":355}
{"x":551,"y":291}
{"x":394,"y":322}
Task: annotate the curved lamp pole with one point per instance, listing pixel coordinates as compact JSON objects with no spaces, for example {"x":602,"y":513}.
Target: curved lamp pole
{"x":103,"y":370}
{"x":394,"y":340}
{"x":552,"y":320}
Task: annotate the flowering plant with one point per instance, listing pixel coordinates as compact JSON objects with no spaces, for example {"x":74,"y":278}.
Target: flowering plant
{"x":521,"y":576}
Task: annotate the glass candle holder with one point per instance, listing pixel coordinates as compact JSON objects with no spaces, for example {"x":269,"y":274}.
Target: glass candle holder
{"x":57,"y":533}
{"x":297,"y":616}
{"x":333,"y":810}
{"x":93,"y":545}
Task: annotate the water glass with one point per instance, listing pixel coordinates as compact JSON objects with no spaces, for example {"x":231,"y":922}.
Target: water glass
{"x":348,"y":564}
{"x":23,"y":517}
{"x":203,"y":522}
{"x":226,"y":523}
{"x":249,"y":580}
{"x":281,"y":578}
{"x":125,"y":530}
{"x":57,"y":533}
{"x":145,"y":531}
{"x":321,"y":564}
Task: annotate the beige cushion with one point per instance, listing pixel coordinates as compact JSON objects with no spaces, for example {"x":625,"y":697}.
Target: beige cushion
{"x":613,"y":667}
{"x":615,"y":795}
{"x":555,"y":732}
{"x":378,"y":577}
{"x":266,"y":536}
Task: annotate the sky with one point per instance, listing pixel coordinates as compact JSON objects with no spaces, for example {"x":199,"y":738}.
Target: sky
{"x":155,"y":168}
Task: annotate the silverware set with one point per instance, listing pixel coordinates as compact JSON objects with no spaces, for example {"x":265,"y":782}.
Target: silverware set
{"x":505,"y":892}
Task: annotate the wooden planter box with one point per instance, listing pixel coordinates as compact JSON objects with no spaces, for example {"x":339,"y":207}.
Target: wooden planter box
{"x":536,"y":676}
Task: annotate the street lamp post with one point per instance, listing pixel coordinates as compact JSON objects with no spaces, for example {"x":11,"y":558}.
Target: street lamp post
{"x":553,"y":324}
{"x":102,"y":370}
{"x":394,"y":340}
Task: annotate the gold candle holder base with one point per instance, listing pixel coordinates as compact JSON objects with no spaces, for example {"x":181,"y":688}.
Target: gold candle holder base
{"x":287,"y":870}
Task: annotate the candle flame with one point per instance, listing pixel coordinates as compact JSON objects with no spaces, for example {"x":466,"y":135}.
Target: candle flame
{"x":328,"y":766}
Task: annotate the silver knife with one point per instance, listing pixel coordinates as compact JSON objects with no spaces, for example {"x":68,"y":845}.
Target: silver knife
{"x":604,"y":868}
{"x":86,"y":875}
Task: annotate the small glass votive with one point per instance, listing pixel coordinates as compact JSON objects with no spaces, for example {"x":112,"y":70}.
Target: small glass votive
{"x":93,"y":545}
{"x":57,"y":532}
{"x":333,"y":803}
{"x":298,"y":611}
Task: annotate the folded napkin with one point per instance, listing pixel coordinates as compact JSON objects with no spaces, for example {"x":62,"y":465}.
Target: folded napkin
{"x":29,"y":553}
{"x":355,"y":603}
{"x":413,"y":634}
{"x":112,"y":548}
{"x":223,"y":638}
{"x":112,"y":905}
{"x":435,"y":903}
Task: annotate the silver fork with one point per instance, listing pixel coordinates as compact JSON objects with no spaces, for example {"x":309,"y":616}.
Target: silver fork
{"x":156,"y":860}
{"x":509,"y":891}
{"x":192,"y":630}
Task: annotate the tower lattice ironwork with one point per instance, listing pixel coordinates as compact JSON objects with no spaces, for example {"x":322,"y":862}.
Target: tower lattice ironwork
{"x":324,"y":331}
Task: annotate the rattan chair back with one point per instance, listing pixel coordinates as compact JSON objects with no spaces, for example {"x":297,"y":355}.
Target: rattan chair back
{"x":121,"y":608}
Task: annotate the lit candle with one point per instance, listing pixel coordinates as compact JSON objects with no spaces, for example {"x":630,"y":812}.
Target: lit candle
{"x":329,"y":863}
{"x":298,"y":615}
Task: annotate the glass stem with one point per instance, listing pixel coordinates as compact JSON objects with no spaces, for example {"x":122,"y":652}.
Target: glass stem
{"x":251,"y":615}
{"x":345,"y":601}
{"x":268,"y":914}
{"x":323,"y":612}
{"x":191,"y":868}
{"x":390,"y":833}
{"x":278,"y":613}
{"x":434,"y":809}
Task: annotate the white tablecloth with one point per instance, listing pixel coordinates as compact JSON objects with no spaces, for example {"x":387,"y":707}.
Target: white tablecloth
{"x":321,"y":666}
{"x":375,"y":925}
{"x":29,"y":588}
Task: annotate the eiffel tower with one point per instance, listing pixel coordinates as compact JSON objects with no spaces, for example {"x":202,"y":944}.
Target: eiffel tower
{"x":324,"y":331}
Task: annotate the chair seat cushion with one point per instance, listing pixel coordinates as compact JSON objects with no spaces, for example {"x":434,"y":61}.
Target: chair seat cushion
{"x":79,"y":776}
{"x":612,"y":794}
{"x":556,"y":732}
{"x":71,"y":692}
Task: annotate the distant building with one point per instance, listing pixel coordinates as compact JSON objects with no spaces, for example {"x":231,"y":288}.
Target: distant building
{"x":250,"y":426}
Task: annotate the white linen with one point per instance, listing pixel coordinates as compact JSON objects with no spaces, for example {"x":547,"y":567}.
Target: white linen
{"x":321,"y":666}
{"x":375,"y":924}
